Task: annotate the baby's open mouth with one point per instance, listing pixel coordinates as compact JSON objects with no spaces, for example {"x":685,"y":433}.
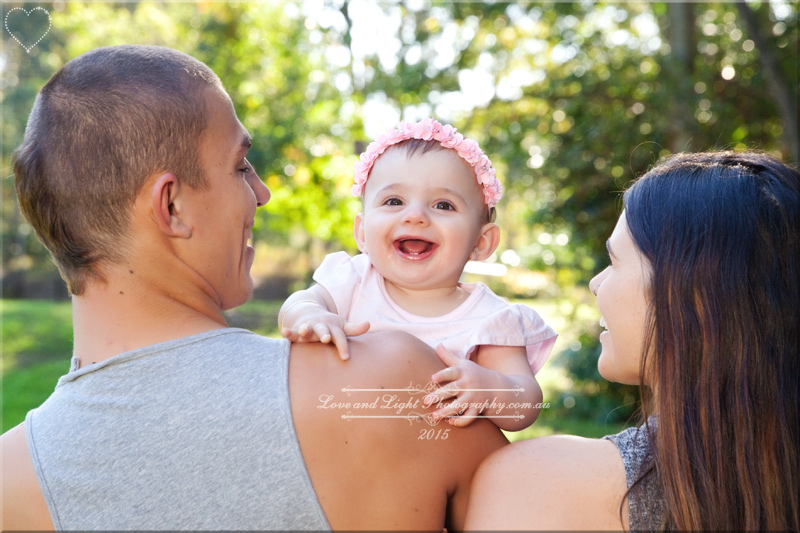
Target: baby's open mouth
{"x":414,"y":246}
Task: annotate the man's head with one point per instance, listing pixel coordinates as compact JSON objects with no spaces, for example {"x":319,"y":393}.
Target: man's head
{"x":99,"y":128}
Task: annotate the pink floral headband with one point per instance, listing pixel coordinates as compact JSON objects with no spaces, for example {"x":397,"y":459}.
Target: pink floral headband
{"x":429,"y":129}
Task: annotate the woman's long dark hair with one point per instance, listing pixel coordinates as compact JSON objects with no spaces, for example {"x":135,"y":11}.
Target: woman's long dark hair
{"x":720,"y":231}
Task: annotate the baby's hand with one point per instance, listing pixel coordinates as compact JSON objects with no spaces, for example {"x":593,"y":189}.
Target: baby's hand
{"x":317,"y":324}
{"x":462,"y":377}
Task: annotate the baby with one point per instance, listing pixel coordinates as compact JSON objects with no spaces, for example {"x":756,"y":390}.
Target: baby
{"x":429,"y":197}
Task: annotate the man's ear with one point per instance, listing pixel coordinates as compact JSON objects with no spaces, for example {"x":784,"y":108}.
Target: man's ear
{"x":358,"y":232}
{"x":487,"y":242}
{"x":166,"y":210}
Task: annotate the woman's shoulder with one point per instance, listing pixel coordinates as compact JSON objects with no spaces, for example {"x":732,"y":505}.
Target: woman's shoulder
{"x":554,"y":482}
{"x":566,"y":454}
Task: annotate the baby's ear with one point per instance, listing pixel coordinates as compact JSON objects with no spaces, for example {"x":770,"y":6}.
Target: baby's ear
{"x":487,"y":243}
{"x":166,"y":205}
{"x":358,"y":232}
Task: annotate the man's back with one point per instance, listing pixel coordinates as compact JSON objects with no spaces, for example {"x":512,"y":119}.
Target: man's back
{"x":200,"y":436}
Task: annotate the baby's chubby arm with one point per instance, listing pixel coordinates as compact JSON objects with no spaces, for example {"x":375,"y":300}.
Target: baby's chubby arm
{"x":504,"y":370}
{"x":309,"y":315}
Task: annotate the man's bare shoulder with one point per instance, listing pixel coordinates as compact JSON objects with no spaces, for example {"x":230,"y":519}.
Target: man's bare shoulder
{"x":374,"y":457}
{"x":24,"y":507}
{"x":555,"y":482}
{"x":378,"y":359}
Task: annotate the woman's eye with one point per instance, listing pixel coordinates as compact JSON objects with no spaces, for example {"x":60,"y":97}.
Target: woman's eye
{"x":447,"y":206}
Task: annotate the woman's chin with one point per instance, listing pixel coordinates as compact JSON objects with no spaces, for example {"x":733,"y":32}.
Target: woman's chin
{"x":610,"y":369}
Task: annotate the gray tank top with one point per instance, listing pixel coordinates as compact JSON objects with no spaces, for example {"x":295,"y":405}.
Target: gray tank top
{"x":646,"y":501}
{"x":191,"y":434}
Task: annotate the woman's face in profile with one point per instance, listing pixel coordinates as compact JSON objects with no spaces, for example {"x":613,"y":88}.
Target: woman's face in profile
{"x":622,"y":295}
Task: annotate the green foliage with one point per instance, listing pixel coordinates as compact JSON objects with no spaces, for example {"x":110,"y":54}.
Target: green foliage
{"x":550,"y":424}
{"x":589,"y":396}
{"x":582,"y":97}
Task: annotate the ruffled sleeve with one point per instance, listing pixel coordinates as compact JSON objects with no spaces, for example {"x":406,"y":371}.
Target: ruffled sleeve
{"x":340,"y":275}
{"x":516,"y":325}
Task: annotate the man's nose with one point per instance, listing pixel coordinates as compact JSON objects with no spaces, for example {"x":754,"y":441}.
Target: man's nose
{"x":259,"y":189}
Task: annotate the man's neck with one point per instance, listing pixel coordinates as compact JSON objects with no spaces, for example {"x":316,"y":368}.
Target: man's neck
{"x":122,"y":314}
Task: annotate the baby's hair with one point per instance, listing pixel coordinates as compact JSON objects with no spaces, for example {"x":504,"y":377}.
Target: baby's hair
{"x":446,"y":136}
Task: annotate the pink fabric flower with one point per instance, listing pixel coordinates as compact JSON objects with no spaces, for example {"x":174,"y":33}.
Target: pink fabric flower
{"x":446,"y":135}
{"x":453,"y":141}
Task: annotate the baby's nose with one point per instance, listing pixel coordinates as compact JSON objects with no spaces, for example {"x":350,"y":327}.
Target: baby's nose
{"x":415,"y":214}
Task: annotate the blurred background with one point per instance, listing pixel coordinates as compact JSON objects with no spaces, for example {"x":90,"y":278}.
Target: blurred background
{"x":570,"y":100}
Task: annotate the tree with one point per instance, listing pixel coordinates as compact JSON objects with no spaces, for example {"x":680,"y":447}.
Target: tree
{"x":570,"y":100}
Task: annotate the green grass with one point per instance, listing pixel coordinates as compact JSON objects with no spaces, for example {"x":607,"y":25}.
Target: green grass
{"x":35,"y":331}
{"x":25,"y":388}
{"x":37,"y":346}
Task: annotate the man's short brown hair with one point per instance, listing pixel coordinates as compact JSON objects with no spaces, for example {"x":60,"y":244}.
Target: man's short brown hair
{"x":99,"y":128}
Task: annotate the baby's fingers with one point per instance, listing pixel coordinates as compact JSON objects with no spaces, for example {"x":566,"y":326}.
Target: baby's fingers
{"x":340,"y":340}
{"x":453,"y":409}
{"x":464,"y":419}
{"x":354,"y":330}
{"x":441,"y":394}
{"x":322,"y":332}
{"x":305,"y":332}
{"x":448,"y":374}
{"x":298,"y":335}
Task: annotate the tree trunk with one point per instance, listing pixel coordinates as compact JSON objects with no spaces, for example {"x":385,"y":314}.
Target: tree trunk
{"x":681,"y":75}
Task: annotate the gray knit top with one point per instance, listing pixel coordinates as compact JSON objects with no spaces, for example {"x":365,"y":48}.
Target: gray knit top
{"x":191,"y":434}
{"x":646,"y":500}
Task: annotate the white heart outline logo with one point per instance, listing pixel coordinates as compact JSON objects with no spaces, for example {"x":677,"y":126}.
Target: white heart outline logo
{"x":28,"y":14}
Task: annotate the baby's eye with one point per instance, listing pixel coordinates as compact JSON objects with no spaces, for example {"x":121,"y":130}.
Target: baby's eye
{"x":393,"y":201}
{"x":442,"y":204}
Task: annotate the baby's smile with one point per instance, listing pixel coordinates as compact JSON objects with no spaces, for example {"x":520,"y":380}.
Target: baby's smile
{"x":413,"y":247}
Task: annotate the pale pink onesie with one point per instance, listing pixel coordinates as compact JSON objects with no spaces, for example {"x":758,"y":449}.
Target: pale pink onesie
{"x":483,"y":319}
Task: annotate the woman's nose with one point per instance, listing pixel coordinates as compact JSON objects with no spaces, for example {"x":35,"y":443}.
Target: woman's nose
{"x":595,"y":282}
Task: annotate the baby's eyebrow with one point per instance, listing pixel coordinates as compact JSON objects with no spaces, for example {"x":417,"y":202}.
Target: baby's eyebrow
{"x":446,"y":191}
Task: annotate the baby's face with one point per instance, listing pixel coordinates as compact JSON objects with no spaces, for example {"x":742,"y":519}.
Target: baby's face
{"x":422,"y":217}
